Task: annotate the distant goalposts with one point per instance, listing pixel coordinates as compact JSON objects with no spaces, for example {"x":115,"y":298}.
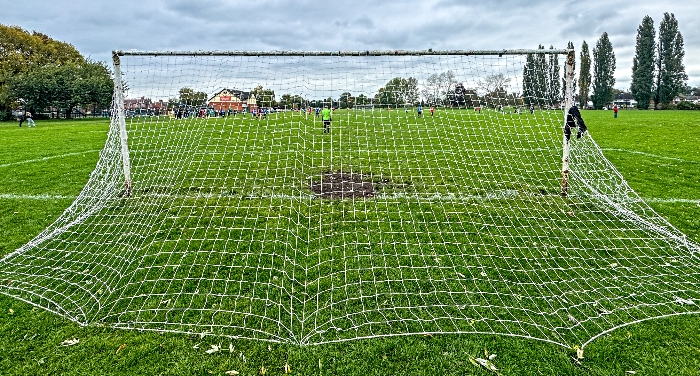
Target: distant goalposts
{"x":269,"y":228}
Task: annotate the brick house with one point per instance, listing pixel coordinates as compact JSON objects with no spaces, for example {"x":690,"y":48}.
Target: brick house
{"x":145,"y":106}
{"x":236,"y":100}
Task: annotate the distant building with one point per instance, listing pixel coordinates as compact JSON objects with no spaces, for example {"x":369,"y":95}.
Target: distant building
{"x":687,"y":98}
{"x":625,"y":100}
{"x":145,"y":106}
{"x":236,"y":100}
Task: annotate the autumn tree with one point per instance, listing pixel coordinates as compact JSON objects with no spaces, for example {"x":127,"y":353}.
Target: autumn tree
{"x":22,"y":52}
{"x":64,"y":86}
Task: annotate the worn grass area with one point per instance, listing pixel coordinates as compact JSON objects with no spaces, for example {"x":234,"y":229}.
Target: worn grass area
{"x":46,"y":167}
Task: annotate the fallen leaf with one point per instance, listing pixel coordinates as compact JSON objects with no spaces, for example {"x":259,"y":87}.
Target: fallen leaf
{"x":287,"y":368}
{"x":487,"y":364}
{"x":262,"y":370}
{"x":123,"y":345}
{"x":232,"y":373}
{"x":70,"y":342}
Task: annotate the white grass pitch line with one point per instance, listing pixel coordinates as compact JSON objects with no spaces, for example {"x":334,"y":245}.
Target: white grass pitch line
{"x":649,"y":155}
{"x":428,"y":198}
{"x":44,"y":197}
{"x":48,"y":158}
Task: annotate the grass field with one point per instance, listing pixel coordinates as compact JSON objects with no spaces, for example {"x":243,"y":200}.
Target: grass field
{"x":47,"y":167}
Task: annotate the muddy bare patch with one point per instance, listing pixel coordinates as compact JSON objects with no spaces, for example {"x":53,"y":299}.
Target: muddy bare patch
{"x":341,"y":185}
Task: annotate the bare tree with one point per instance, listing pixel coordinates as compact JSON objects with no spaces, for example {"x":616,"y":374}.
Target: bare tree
{"x":493,"y":83}
{"x":437,"y":87}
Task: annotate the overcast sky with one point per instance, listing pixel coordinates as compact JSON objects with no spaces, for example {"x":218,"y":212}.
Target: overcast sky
{"x":97,"y":27}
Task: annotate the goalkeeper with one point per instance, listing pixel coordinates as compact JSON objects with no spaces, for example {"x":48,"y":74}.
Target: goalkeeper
{"x":326,"y":117}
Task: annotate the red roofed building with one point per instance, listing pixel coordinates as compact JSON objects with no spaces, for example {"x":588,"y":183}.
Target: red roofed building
{"x":236,"y":100}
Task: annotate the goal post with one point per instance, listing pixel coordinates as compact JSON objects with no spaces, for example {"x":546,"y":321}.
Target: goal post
{"x":568,"y":96}
{"x":119,"y":117}
{"x":427,"y":198}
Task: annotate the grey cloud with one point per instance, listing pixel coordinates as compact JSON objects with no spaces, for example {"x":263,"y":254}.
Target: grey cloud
{"x":96,"y":28}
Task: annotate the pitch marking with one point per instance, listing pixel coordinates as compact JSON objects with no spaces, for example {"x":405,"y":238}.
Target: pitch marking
{"x":47,"y":158}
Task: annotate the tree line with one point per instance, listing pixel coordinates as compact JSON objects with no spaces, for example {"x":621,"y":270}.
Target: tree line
{"x":37,"y":72}
{"x":658,"y":73}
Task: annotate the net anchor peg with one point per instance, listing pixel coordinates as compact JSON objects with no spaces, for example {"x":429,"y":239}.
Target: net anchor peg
{"x":127,"y":186}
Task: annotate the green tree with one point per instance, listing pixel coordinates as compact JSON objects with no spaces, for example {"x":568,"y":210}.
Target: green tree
{"x":94,"y":86}
{"x":22,"y":52}
{"x":398,"y":91}
{"x":346,"y":100}
{"x":670,"y":75}
{"x":554,"y":87}
{"x":293,"y":102}
{"x":361,"y":100}
{"x":529,"y":79}
{"x":64,"y":86}
{"x":584,"y":77}
{"x":603,"y":72}
{"x":643,"y":64}
{"x":541,"y":78}
{"x":536,"y":78}
{"x":264,"y":97}
{"x":193,"y":98}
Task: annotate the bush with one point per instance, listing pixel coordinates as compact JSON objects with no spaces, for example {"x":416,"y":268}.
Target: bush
{"x":687,"y":106}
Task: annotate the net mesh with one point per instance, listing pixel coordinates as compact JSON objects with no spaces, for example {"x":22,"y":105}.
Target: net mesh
{"x":391,"y":222}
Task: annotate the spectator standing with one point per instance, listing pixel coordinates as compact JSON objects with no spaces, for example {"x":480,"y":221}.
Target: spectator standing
{"x":30,"y":121}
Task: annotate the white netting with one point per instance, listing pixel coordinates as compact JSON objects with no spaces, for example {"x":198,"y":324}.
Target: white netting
{"x":392,"y":223}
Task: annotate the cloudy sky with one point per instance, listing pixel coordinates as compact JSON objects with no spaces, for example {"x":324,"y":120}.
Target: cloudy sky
{"x":96,"y":27}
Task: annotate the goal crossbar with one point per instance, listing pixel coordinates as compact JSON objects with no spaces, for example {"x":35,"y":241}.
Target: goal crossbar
{"x":428,"y":52}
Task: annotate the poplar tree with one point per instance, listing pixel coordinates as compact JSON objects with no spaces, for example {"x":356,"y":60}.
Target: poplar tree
{"x":529,"y":80}
{"x":603,"y":72}
{"x":584,"y":78}
{"x":670,"y":77}
{"x":642,"y":86}
{"x":572,"y":89}
{"x":541,"y":78}
{"x":554,"y":89}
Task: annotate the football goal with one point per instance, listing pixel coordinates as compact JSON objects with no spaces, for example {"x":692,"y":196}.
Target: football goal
{"x":315,"y":197}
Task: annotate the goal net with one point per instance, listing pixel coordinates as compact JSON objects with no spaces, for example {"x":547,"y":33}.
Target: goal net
{"x":318,"y":197}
